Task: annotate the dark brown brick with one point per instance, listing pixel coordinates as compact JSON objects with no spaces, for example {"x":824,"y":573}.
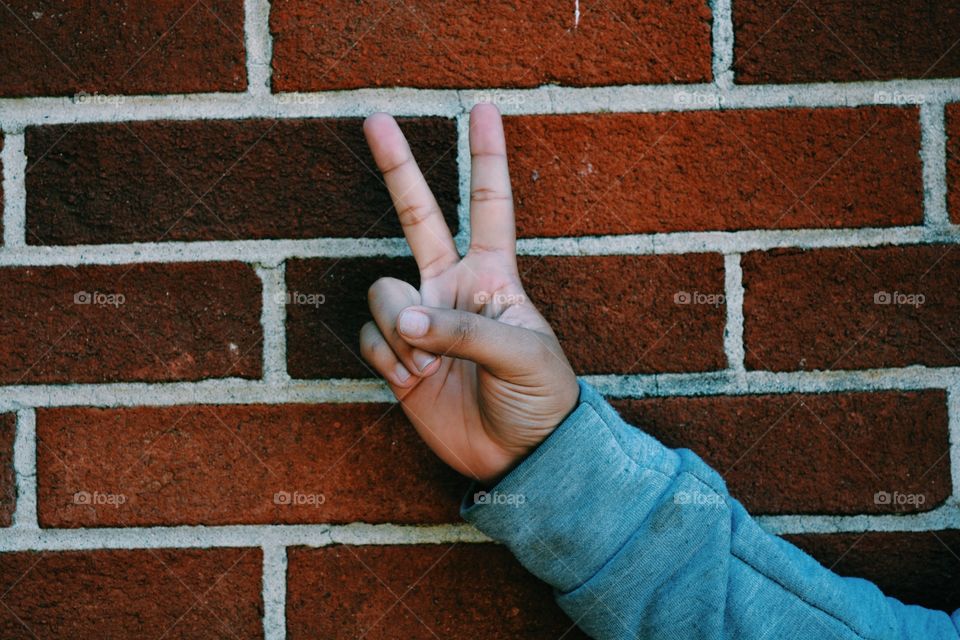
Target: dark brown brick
{"x":920,"y":568}
{"x":215,"y":465}
{"x":323,"y":339}
{"x":346,"y":45}
{"x":8,"y":481}
{"x":176,"y":593}
{"x":626,"y":314}
{"x":222,"y":180}
{"x":424,"y":591}
{"x":173,"y":322}
{"x":165,"y":46}
{"x":612,"y":313}
{"x":852,"y":308}
{"x":843,"y":453}
{"x":953,"y":161}
{"x":727,"y":170}
{"x":836,"y":41}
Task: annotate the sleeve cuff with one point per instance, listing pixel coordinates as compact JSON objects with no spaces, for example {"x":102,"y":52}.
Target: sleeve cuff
{"x":582,"y":483}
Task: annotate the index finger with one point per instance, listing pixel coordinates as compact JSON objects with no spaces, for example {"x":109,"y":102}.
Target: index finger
{"x":420,"y":215}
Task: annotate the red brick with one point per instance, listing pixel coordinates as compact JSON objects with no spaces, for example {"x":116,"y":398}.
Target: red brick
{"x":221,"y":180}
{"x":813,"y":453}
{"x":620,"y":314}
{"x":428,"y":591}
{"x":173,"y":322}
{"x":715,"y":170}
{"x":176,"y":593}
{"x":920,"y":568}
{"x":346,"y":45}
{"x":831,"y":40}
{"x":216,"y":465}
{"x":167,"y":46}
{"x":953,"y":161}
{"x":8,"y":482}
{"x":823,"y":309}
{"x":613,"y":314}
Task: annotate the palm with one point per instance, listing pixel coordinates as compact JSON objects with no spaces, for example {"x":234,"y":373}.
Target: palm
{"x":475,"y":419}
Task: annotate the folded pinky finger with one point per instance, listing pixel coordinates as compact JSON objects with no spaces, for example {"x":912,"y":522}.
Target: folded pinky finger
{"x":378,"y":354}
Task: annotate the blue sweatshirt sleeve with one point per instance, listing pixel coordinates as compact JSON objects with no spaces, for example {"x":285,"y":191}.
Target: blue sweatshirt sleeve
{"x":642,"y":541}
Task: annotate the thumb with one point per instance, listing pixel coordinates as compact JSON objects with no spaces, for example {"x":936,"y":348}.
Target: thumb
{"x":503,"y":349}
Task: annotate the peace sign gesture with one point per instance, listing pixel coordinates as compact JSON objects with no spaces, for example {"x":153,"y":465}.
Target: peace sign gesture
{"x":476,"y":367}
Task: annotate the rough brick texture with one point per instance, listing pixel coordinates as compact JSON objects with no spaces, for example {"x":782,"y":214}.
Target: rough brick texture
{"x":165,"y":46}
{"x":917,"y":567}
{"x":345,"y":45}
{"x":806,"y":453}
{"x":173,"y":593}
{"x":852,"y":308}
{"x":953,"y":161}
{"x":149,"y":322}
{"x":641,"y":298}
{"x":729,"y":170}
{"x":8,"y":486}
{"x":217,"y":465}
{"x":832,"y":40}
{"x":446,"y":591}
{"x":221,"y":180}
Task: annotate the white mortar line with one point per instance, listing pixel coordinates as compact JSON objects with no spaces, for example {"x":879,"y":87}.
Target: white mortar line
{"x":273,"y":322}
{"x":280,"y":536}
{"x":237,"y":391}
{"x":766,"y":382}
{"x":274,"y":592}
{"x":258,"y":45}
{"x":264,"y":536}
{"x":722,"y":40}
{"x":933,"y":152}
{"x":272,"y":252}
{"x":944,"y":517}
{"x":953,"y":411}
{"x":14,"y":191}
{"x":462,"y":238}
{"x":227,"y":391}
{"x":733,"y":332}
{"x":25,"y":470}
{"x":16,"y":113}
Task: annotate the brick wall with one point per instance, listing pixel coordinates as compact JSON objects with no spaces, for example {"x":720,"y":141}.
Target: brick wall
{"x":740,"y":217}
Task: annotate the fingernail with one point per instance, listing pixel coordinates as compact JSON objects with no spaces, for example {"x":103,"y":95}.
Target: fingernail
{"x":413,"y":324}
{"x":422,"y":359}
{"x":401,"y":372}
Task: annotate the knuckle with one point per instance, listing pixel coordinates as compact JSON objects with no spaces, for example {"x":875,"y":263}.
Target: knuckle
{"x":414,"y":214}
{"x":465,"y":331}
{"x":380,"y":286}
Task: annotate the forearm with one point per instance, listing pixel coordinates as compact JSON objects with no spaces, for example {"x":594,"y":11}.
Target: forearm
{"x":642,"y":541}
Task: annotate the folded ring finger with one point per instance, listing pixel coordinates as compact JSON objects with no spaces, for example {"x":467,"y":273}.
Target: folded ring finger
{"x":387,"y":298}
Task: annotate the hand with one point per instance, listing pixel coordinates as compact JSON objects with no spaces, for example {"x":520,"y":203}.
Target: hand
{"x":476,"y":368}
